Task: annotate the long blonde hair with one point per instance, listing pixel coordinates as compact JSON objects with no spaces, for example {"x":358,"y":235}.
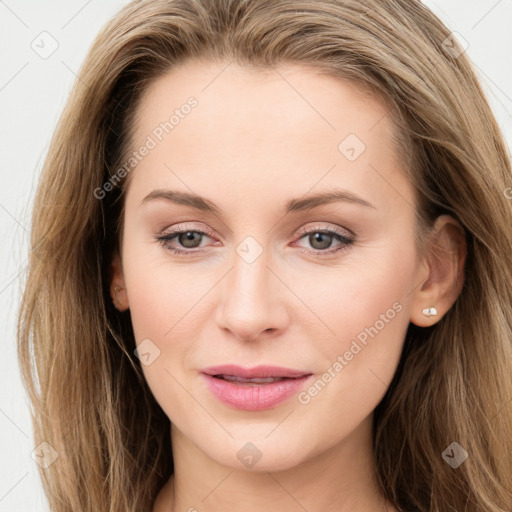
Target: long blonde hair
{"x":454,"y":380}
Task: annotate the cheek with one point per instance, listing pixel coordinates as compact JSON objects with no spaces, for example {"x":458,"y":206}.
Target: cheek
{"x":170,"y":305}
{"x":162,"y":293}
{"x":367,"y":308}
{"x":165,"y":307}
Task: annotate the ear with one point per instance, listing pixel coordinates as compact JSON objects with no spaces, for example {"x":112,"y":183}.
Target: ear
{"x":117,"y":285}
{"x":442,"y":273}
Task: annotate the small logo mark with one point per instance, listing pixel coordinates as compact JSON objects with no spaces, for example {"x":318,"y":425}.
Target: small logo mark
{"x":455,"y":45}
{"x":249,"y":249}
{"x":249,"y":455}
{"x":455,"y":455}
{"x":44,"y":45}
{"x":147,"y":352}
{"x":44,"y":455}
{"x":351,"y":147}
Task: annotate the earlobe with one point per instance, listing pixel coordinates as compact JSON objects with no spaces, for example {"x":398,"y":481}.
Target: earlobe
{"x":445,"y":273}
{"x":117,"y":284}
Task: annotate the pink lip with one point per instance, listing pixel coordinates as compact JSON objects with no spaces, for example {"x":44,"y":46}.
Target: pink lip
{"x":254,"y":396}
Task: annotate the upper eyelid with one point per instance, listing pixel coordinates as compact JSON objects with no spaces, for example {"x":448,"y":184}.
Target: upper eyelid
{"x":181,"y":229}
{"x":319,"y":228}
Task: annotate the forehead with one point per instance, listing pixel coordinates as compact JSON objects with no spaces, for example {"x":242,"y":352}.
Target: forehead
{"x":277,"y":97}
{"x":288,"y":126}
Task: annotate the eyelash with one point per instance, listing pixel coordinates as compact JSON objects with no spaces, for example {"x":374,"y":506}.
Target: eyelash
{"x":164,"y":240}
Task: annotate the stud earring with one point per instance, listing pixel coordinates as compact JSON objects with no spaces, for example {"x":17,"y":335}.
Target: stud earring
{"x":431,"y":311}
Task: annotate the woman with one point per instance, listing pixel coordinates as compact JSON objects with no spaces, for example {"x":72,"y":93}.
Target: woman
{"x":272,"y":268}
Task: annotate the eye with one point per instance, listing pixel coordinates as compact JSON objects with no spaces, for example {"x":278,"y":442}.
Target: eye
{"x":189,"y":240}
{"x":323,"y":238}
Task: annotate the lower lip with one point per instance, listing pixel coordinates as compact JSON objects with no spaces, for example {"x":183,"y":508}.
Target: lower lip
{"x":254,"y":397}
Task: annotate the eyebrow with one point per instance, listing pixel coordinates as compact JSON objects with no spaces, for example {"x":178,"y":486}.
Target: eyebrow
{"x":293,"y":205}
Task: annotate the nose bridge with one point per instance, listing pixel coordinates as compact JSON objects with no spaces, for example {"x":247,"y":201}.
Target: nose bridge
{"x":250,"y":301}
{"x":250,"y":276}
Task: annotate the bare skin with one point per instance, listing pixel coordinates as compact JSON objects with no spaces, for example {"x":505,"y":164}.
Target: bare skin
{"x":254,"y":142}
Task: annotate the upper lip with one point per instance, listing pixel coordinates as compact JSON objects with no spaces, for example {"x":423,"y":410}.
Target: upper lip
{"x":261,"y":371}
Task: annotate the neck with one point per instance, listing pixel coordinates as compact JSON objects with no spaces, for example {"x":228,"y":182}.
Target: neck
{"x":339,"y":480}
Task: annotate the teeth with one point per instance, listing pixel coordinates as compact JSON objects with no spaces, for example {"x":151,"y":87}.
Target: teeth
{"x":256,"y":380}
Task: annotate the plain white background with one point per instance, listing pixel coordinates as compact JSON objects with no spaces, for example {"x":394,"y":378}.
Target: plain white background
{"x":33,"y":91}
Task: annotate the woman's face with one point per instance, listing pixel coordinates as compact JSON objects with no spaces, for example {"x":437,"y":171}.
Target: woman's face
{"x":273,"y":269}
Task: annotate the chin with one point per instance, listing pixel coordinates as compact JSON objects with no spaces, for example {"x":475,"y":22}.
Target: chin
{"x":258,"y":454}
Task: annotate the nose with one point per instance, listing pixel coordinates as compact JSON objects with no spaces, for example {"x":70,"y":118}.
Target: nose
{"x":251,"y":300}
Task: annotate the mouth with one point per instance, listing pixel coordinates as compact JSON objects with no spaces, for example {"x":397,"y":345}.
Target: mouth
{"x":257,"y":372}
{"x":254,"y":389}
{"x":255,"y":380}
